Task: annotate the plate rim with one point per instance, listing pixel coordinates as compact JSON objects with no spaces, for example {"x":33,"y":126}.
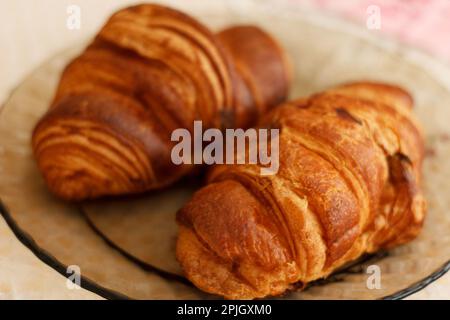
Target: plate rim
{"x":92,"y":286}
{"x":28,"y":241}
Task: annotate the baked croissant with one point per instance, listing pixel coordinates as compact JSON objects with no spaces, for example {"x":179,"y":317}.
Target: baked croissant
{"x":348,"y":183}
{"x":150,"y":70}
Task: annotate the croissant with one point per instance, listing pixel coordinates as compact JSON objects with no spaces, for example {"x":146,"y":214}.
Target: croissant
{"x":150,"y":70}
{"x":348,"y":184}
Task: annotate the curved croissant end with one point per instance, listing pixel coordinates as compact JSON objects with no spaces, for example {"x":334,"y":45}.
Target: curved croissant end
{"x":263,"y":69}
{"x":348,"y":184}
{"x":85,"y":150}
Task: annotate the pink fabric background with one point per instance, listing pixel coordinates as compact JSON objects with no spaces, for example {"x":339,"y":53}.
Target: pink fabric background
{"x":421,"y":23}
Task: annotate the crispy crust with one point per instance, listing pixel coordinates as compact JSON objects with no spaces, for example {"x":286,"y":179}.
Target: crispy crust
{"x":348,"y":184}
{"x":150,"y":70}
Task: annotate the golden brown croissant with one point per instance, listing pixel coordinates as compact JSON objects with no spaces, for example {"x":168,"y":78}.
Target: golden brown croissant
{"x":348,"y":184}
{"x":150,"y":70}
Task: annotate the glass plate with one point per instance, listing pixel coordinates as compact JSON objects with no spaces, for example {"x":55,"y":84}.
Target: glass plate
{"x":116,"y":262}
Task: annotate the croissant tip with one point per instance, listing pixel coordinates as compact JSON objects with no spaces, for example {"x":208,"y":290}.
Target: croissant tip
{"x":70,"y":187}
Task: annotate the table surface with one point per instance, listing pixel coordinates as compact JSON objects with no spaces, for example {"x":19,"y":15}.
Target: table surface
{"x":34,"y":30}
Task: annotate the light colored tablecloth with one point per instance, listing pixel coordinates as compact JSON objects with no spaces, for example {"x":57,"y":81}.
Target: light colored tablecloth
{"x":34,"y":30}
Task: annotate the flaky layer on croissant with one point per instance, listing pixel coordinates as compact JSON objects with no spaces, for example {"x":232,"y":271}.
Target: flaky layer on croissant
{"x":348,"y":184}
{"x":150,"y":70}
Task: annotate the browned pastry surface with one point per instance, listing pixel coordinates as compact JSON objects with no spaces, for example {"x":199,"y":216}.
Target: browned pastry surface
{"x":150,"y":70}
{"x":348,"y":184}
